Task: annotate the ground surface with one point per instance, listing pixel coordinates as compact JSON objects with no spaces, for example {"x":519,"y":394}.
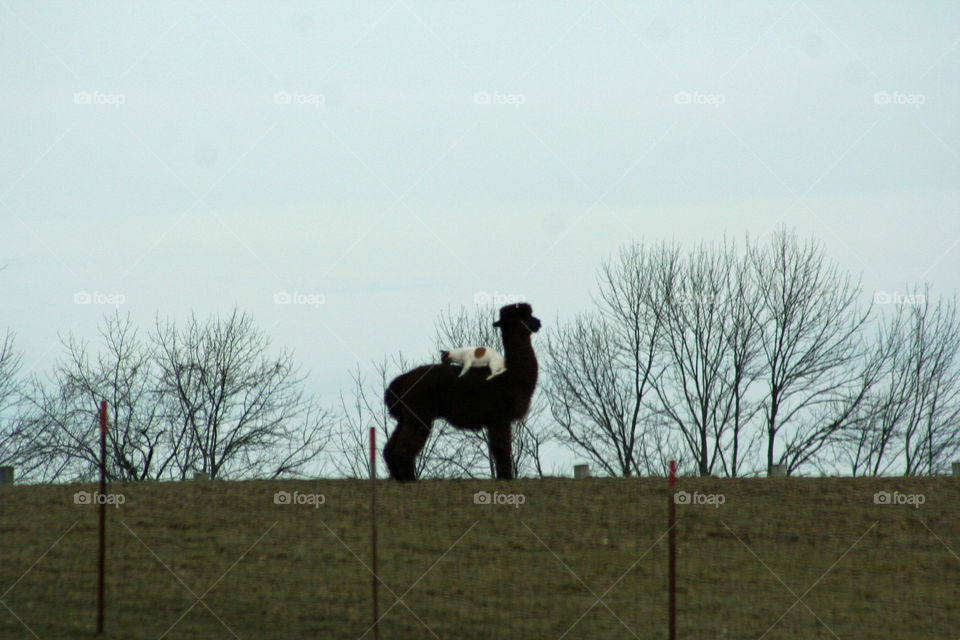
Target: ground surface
{"x":779,"y":558}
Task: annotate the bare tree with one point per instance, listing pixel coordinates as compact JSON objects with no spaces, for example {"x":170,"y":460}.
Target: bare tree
{"x":708,"y":352}
{"x":911,"y":423}
{"x":867,"y":446}
{"x":591,"y":396}
{"x":932,"y":432}
{"x":230,"y":407}
{"x":809,"y":347}
{"x":18,"y":442}
{"x":65,"y":409}
{"x":828,"y":424}
{"x":361,"y":409}
{"x":743,"y":295}
{"x":206,"y":399}
{"x":11,"y":362}
{"x":600,"y":370}
{"x":124,"y":376}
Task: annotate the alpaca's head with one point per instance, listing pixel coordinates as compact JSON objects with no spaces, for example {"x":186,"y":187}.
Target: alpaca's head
{"x":518,"y":315}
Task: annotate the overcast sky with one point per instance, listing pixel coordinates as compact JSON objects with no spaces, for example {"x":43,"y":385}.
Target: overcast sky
{"x":388,"y":161}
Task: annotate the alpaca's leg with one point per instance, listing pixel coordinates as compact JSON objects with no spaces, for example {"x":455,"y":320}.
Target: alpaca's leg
{"x":501,"y":449}
{"x":402,"y":448}
{"x":390,"y":456}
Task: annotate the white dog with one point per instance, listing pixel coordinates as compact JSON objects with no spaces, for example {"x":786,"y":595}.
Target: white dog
{"x":475,"y":357}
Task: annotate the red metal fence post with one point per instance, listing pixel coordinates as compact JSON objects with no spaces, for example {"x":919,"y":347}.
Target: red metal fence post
{"x":103,"y":513}
{"x":373,"y":527}
{"x":672,"y":546}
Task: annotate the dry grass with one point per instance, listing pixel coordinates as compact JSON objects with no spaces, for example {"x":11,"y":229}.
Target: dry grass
{"x":467,"y":571}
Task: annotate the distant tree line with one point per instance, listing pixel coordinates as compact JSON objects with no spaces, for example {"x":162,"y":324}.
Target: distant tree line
{"x":735,"y":357}
{"x":730,"y":357}
{"x":202,"y":397}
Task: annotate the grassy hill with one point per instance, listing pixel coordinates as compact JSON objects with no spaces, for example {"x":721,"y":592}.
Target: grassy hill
{"x":464,"y":570}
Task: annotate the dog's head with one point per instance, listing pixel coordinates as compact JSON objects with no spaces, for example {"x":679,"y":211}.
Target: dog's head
{"x":445,"y":357}
{"x":519,"y":313}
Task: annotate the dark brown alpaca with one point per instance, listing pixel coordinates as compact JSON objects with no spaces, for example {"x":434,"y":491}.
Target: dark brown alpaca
{"x":472,"y":402}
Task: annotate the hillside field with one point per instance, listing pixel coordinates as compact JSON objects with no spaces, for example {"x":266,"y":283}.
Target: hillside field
{"x":777,"y":558}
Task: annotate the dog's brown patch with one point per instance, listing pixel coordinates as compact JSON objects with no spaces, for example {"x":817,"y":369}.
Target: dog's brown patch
{"x":479,"y":351}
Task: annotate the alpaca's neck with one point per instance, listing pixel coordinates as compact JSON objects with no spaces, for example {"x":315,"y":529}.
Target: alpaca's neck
{"x":519,"y":356}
